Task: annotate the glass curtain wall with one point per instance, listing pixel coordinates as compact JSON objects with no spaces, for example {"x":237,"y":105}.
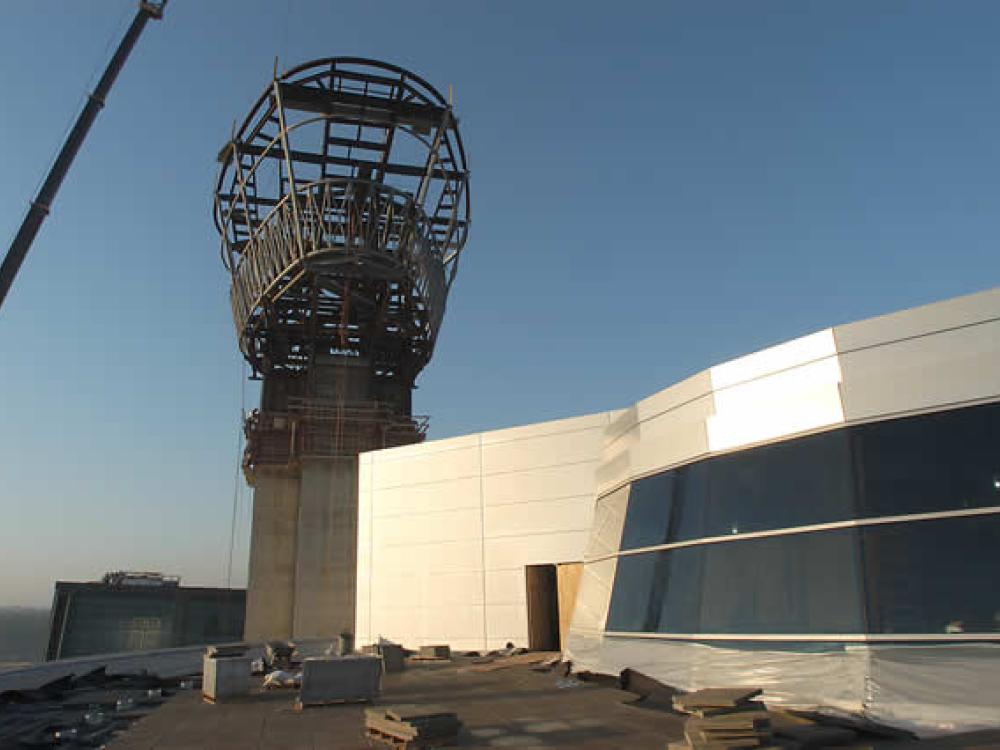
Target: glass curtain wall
{"x":726,"y":546}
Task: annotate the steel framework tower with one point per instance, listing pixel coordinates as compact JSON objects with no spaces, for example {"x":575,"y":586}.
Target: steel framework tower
{"x":343,"y":207}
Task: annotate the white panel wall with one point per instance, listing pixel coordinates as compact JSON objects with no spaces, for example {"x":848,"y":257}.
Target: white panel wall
{"x":447,"y":527}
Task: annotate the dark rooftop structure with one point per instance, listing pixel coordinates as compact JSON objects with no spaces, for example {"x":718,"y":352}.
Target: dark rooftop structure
{"x":128,"y":611}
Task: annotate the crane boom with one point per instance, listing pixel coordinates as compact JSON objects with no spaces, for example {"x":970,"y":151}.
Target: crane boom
{"x":39,"y":208}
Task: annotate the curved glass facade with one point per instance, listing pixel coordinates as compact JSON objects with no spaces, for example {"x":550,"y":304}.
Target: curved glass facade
{"x":881,"y":569}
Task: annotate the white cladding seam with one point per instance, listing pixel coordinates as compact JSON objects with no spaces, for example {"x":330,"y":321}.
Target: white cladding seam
{"x":708,"y":454}
{"x":492,"y":608}
{"x":792,"y":530}
{"x":540,"y":467}
{"x":450,"y":509}
{"x":489,"y":537}
{"x":839,"y":353}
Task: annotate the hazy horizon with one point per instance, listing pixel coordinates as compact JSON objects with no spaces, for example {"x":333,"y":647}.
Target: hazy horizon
{"x":656,"y":188}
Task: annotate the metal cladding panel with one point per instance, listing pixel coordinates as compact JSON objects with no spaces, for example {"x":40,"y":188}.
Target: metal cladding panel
{"x":529,"y":452}
{"x":507,"y":623}
{"x":506,"y":587}
{"x":451,"y":624}
{"x":663,"y":429}
{"x":778,"y":392}
{"x":950,"y":366}
{"x":430,"y":497}
{"x":919,"y":321}
{"x":463,"y":587}
{"x":517,"y":551}
{"x":540,"y":517}
{"x":426,"y":462}
{"x":532,"y":485}
{"x":528,"y":489}
{"x":609,"y":520}
{"x":592,"y":598}
{"x":541,"y":429}
{"x":427,"y":528}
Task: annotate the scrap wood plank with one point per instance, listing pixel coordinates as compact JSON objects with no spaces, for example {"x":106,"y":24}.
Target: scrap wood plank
{"x":411,"y":711}
{"x":417,"y":743}
{"x":299,"y":705}
{"x":715,"y":698}
{"x":718,"y":712}
{"x":504,"y":662}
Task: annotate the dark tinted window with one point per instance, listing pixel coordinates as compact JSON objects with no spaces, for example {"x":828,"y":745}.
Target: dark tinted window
{"x":795,"y":483}
{"x":649,"y":504}
{"x":796,"y":584}
{"x":680,"y":601}
{"x":631,"y":594}
{"x":940,"y":461}
{"x":934,"y":576}
{"x":802,"y":583}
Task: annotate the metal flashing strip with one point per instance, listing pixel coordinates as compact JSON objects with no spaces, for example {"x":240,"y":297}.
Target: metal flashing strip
{"x":789,"y":531}
{"x":815,"y":637}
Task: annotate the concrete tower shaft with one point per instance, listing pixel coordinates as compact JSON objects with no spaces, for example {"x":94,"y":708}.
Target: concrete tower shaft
{"x":343,"y":206}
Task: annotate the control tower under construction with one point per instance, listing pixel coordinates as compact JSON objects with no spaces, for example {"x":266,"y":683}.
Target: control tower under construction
{"x":343,"y":207}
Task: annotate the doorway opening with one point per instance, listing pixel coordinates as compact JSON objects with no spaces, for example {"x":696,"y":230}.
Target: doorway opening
{"x":543,"y":607}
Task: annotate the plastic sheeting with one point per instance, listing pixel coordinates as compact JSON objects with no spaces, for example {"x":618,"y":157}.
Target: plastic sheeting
{"x":930,"y":689}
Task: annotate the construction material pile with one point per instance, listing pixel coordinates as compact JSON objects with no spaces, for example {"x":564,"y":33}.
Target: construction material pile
{"x":723,"y":719}
{"x":411,"y":727}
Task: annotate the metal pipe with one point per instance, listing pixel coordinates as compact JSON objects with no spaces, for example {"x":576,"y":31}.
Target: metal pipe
{"x":40,"y":206}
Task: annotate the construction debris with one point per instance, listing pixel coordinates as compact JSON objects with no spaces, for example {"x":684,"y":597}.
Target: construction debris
{"x":723,"y":719}
{"x":79,"y":712}
{"x":409,"y":727}
{"x":393,"y":655}
{"x":491,"y":664}
{"x":433,"y":653}
{"x":279,"y":678}
{"x":279,"y":654}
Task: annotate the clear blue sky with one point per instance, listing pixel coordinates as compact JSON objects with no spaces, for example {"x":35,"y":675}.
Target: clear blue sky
{"x":657,"y":187}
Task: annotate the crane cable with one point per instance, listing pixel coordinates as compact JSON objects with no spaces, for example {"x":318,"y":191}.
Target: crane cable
{"x":237,"y":484}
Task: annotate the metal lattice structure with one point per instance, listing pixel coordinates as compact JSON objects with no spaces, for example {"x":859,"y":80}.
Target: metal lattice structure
{"x":343,"y":207}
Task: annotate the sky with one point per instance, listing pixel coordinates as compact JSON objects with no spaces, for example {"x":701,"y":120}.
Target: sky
{"x":657,"y":187}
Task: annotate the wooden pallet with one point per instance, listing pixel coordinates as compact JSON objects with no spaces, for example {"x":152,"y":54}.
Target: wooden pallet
{"x":416,"y":743}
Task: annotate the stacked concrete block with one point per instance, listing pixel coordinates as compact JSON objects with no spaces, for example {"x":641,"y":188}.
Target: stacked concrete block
{"x":393,"y":657}
{"x":338,"y":679}
{"x":225,"y":677}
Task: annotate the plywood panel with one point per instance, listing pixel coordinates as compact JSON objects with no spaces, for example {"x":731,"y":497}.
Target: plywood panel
{"x":567,"y":583}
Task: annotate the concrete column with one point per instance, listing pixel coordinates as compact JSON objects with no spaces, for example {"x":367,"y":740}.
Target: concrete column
{"x":326,"y":559}
{"x":271,"y":583}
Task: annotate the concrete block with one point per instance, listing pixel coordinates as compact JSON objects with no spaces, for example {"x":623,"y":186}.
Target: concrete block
{"x":225,"y":677}
{"x":435,"y":652}
{"x":393,"y":657}
{"x":340,"y":678}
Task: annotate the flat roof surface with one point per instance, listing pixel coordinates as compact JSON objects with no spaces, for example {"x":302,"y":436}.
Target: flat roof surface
{"x":513,"y":707}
